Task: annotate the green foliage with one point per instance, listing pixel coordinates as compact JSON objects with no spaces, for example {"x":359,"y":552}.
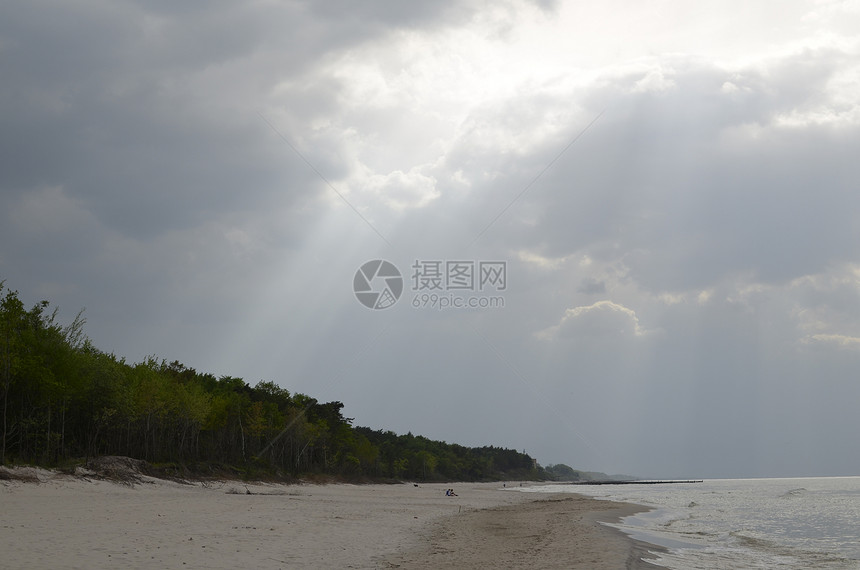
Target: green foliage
{"x":418,"y":458}
{"x":61,"y":398}
{"x":562,"y":472}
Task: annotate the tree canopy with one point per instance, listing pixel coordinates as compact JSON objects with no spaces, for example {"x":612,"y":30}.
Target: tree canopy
{"x":62,"y":399}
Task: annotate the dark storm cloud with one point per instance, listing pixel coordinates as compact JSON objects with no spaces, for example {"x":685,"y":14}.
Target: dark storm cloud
{"x":92,"y":103}
{"x":146,"y":113}
{"x":686,"y":264}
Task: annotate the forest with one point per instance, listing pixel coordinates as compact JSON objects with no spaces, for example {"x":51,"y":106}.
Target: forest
{"x":63,"y":402}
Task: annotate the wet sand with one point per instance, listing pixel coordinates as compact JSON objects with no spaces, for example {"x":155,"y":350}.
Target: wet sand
{"x":556,"y":532}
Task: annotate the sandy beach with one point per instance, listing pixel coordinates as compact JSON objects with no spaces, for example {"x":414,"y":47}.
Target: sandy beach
{"x":73,"y":522}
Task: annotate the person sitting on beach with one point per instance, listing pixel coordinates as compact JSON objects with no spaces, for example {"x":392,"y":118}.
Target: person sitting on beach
{"x":450,"y":493}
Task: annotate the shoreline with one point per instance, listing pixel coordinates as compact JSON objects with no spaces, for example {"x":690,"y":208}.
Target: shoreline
{"x":556,"y":531}
{"x":61,"y":521}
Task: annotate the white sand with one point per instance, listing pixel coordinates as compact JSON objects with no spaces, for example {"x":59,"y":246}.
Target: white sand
{"x":66,"y":522}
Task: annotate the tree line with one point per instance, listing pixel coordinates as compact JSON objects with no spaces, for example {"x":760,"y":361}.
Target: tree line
{"x":62,"y":400}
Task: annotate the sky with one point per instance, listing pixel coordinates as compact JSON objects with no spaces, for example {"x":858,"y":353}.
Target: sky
{"x":669,"y":186}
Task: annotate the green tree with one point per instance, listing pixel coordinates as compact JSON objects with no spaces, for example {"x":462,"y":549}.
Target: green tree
{"x":12,"y":322}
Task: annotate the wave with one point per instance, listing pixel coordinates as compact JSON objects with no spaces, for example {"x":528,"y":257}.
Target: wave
{"x":796,"y":557}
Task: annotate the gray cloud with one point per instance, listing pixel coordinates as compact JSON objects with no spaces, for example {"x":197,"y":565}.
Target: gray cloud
{"x":591,"y":286}
{"x":688,"y":264}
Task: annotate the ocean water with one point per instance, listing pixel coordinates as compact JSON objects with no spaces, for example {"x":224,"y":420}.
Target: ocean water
{"x":743,"y":523}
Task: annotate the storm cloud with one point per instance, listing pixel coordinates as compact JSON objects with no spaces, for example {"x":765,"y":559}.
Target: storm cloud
{"x":673,"y":191}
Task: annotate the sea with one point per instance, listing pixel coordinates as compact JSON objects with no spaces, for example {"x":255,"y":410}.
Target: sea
{"x":797,"y":523}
